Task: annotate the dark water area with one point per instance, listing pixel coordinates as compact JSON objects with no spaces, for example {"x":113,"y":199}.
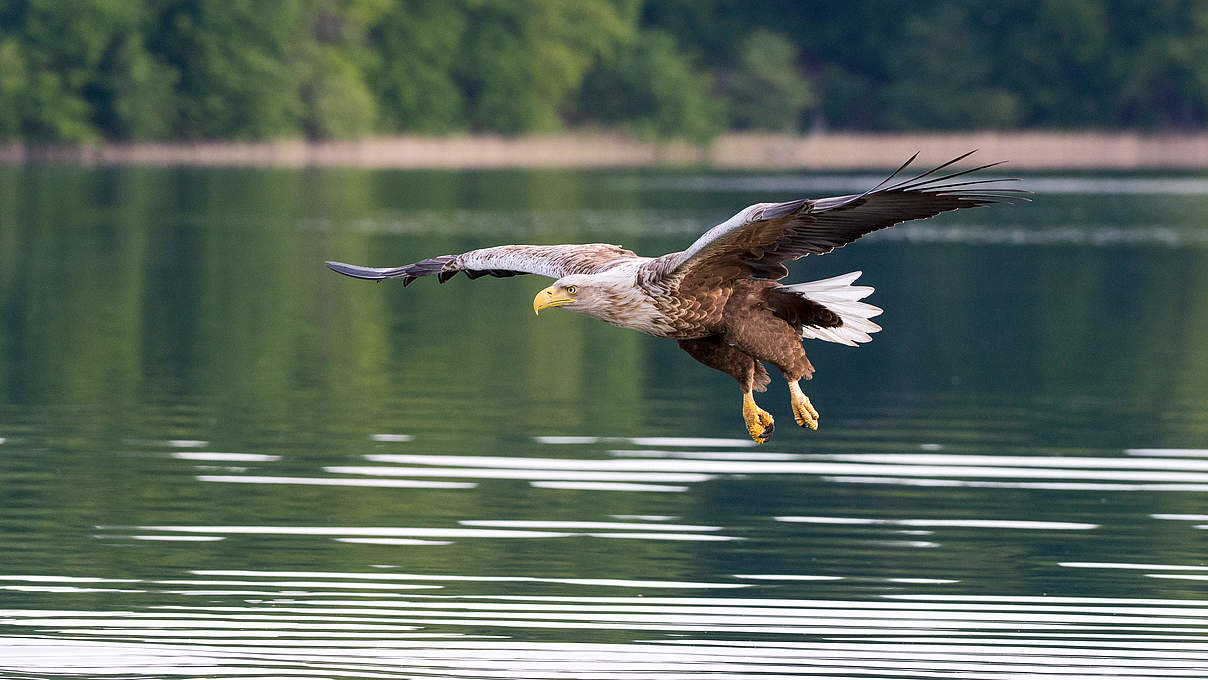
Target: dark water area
{"x":220,"y":459}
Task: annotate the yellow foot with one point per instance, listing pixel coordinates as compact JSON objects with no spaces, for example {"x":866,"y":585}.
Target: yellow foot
{"x":803,"y":411}
{"x":759,"y":422}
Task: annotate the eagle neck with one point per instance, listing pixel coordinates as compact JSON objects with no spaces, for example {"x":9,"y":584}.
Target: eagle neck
{"x":627,"y":304}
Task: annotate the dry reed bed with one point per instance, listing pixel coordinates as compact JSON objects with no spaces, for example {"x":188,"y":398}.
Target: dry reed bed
{"x":824,"y":151}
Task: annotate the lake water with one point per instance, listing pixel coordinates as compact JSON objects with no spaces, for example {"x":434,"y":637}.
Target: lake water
{"x":220,"y":459}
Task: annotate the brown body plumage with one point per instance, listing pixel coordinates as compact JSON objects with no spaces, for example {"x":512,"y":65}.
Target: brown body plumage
{"x":720,"y":299}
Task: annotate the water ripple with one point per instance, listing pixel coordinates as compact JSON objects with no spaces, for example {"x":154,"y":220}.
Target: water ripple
{"x":442,"y":635}
{"x":929,"y":469}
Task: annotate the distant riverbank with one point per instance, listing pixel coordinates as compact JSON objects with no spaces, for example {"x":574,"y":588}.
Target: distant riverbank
{"x":828,"y":151}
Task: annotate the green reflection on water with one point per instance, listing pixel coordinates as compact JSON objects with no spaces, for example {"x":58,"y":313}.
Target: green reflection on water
{"x":143,"y":305}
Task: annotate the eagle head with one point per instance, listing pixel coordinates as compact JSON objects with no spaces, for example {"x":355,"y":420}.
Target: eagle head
{"x":569,"y":292}
{"x":609,"y":296}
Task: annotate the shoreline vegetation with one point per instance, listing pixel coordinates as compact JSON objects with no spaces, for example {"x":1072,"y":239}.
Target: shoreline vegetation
{"x":1025,"y":150}
{"x":603,"y":83}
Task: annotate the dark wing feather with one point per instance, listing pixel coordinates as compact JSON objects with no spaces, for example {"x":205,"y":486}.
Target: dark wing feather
{"x":552,"y":261}
{"x":760,"y":239}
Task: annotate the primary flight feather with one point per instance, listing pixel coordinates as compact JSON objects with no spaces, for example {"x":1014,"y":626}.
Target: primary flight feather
{"x":719,"y":298}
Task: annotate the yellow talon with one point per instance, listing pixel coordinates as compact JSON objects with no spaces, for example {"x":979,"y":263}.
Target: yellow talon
{"x":803,"y":411}
{"x":759,"y":422}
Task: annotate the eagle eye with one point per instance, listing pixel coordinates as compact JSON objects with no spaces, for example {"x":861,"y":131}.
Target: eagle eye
{"x":571,"y":290}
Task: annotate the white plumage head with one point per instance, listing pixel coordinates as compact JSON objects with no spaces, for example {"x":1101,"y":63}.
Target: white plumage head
{"x":610,"y":296}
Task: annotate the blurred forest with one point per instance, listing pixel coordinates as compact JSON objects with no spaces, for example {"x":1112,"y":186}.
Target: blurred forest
{"x":323,"y":69}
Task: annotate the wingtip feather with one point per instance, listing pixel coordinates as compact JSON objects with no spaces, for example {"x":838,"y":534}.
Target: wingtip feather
{"x":357,"y":272}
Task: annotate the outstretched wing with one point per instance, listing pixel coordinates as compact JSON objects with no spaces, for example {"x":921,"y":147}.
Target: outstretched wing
{"x":759,"y":239}
{"x":552,"y":261}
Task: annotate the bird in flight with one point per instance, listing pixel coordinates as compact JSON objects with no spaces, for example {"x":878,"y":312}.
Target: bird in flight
{"x":720,"y":298}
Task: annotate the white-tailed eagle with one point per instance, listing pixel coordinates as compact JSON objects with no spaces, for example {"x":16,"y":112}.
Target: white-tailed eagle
{"x":720,"y":299}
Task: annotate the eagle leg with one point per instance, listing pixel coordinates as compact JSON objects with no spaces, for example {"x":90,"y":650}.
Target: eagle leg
{"x":714,"y":352}
{"x":803,"y":411}
{"x":759,"y":422}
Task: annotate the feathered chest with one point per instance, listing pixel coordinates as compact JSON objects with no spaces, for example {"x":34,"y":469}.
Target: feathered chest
{"x":633,"y":308}
{"x":664,"y":314}
{"x":622,"y":297}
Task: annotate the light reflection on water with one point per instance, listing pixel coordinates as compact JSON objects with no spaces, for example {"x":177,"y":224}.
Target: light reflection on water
{"x":306,"y":633}
{"x":218,"y":461}
{"x":393,"y":623}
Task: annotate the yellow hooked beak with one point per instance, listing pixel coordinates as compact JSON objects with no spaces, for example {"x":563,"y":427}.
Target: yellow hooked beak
{"x":550,"y":297}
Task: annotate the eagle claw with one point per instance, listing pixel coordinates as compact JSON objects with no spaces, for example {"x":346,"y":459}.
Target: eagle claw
{"x":805,"y":414}
{"x":760,"y":424}
{"x":803,"y":411}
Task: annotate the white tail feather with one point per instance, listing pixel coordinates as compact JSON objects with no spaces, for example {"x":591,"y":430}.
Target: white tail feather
{"x":839,"y":296}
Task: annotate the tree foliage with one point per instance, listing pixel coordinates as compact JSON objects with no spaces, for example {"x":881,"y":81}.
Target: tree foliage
{"x":765,"y":90}
{"x":651,"y":88}
{"x":415,"y":49}
{"x":229,"y":69}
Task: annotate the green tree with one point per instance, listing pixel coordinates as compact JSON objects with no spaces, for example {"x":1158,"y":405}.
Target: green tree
{"x":416,"y":47}
{"x":337,"y":102}
{"x":58,"y":55}
{"x":522,"y":60}
{"x":1076,"y":35}
{"x":239,"y":65}
{"x":943,"y":77}
{"x":190,"y":69}
{"x":1160,"y":74}
{"x":652,"y":88}
{"x":766,"y":90}
{"x":135,"y":95}
{"x":334,"y":56}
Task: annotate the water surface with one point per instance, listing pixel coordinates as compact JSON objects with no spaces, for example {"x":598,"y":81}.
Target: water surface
{"x":219,"y":459}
